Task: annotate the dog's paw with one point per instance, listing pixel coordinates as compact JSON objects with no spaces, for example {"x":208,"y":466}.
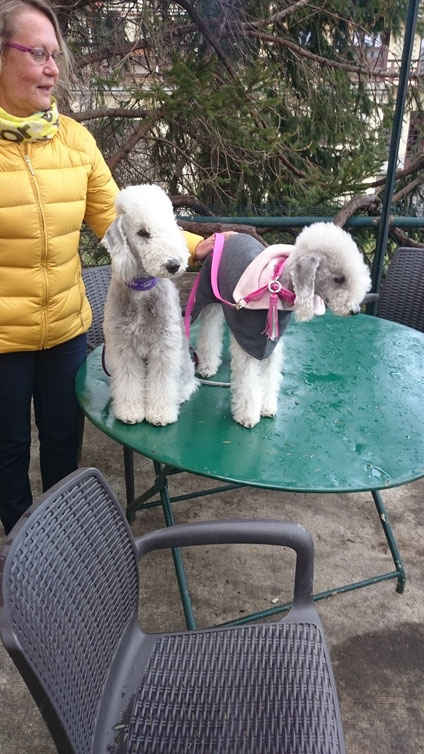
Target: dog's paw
{"x":247,"y":421}
{"x":187,"y":390}
{"x":129,"y":414}
{"x":269,"y":409}
{"x":206,"y":370}
{"x":160,"y":418}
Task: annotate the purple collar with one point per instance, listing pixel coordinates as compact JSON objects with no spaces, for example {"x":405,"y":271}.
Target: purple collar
{"x":142,"y":284}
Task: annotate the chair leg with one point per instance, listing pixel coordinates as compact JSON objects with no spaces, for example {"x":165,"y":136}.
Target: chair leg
{"x":81,"y":422}
{"x":129,"y":479}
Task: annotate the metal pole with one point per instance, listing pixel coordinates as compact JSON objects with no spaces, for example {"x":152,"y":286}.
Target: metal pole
{"x":299,"y":221}
{"x":383,"y":230}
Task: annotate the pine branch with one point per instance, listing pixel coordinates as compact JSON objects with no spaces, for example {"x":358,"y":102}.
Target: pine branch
{"x":139,"y":134}
{"x":108,"y":112}
{"x":302,"y":52}
{"x":110,"y":52}
{"x":279,"y":16}
{"x":290,"y":166}
{"x":414,"y":167}
{"x":206,"y":33}
{"x":81,"y":61}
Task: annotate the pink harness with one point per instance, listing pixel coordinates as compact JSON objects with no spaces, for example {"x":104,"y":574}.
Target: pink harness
{"x":273,"y":288}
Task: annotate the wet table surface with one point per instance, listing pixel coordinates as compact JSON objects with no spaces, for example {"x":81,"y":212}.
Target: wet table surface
{"x":350,"y":417}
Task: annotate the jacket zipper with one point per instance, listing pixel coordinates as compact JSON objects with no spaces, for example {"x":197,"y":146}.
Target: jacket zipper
{"x":82,"y":296}
{"x":44,"y":301}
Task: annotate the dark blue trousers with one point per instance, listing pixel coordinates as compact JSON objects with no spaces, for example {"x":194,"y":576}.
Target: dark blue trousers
{"x":48,"y":378}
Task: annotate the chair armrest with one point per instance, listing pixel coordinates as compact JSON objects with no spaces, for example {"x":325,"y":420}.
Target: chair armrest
{"x":244,"y":531}
{"x":369,"y":298}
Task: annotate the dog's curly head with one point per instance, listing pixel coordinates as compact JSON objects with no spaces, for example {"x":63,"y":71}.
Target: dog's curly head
{"x":327,"y":262}
{"x":145,"y":238}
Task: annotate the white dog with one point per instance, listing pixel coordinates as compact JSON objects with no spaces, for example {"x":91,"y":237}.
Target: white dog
{"x":323,"y":268}
{"x":146,"y":349}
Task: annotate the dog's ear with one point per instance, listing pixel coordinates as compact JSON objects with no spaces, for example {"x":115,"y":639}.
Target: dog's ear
{"x":116,"y":243}
{"x":303,"y":276}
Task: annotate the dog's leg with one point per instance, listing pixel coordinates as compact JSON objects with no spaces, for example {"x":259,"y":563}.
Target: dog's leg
{"x":162,"y":379}
{"x":246,"y":386}
{"x":271,"y":380}
{"x":187,"y":381}
{"x":127,"y":385}
{"x":209,"y":340}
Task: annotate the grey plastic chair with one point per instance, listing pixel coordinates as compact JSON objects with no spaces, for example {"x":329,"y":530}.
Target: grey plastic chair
{"x":402,"y":295}
{"x":68,"y":618}
{"x":96,"y":281}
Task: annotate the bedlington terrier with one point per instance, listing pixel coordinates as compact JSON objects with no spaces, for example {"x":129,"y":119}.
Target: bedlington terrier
{"x":323,"y":268}
{"x":146,"y":349}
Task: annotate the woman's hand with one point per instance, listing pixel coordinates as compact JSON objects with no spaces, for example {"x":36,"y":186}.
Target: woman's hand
{"x":204,"y":247}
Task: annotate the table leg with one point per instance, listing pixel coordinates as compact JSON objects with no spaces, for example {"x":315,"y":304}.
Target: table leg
{"x":399,"y":573}
{"x":391,"y":541}
{"x":176,"y":552}
{"x":161,"y":486}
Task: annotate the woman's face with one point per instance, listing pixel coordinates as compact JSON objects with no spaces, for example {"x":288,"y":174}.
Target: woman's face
{"x":26,"y":86}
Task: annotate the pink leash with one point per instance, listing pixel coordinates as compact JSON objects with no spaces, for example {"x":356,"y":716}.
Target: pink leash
{"x":274,"y":287}
{"x":216,"y":258}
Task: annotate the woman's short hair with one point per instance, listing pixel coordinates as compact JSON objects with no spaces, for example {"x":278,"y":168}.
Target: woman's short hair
{"x":8,"y":11}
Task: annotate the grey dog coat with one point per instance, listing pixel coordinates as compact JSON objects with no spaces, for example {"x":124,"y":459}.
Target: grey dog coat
{"x":247,"y":325}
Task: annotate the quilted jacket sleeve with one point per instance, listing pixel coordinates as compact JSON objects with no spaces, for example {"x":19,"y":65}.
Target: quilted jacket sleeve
{"x":191,"y":239}
{"x":101,"y":192}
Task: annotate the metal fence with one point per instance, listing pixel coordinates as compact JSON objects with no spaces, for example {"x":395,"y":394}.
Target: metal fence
{"x":363,"y":228}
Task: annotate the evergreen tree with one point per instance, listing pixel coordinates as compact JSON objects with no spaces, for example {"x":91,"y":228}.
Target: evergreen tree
{"x":241,"y":103}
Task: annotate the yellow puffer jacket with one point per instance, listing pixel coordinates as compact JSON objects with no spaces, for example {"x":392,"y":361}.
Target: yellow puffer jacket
{"x":47,"y":189}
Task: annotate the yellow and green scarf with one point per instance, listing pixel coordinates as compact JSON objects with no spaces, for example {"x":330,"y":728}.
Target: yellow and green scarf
{"x":40,"y":126}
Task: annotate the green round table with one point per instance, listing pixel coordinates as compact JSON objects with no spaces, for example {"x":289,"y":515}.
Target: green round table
{"x":350,"y":418}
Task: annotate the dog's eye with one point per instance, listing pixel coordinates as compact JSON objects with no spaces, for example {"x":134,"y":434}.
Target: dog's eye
{"x":339,"y":279}
{"x":143,"y":233}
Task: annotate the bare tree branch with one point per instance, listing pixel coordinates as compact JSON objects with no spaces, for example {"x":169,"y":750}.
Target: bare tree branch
{"x":362,"y":201}
{"x":414,"y":167}
{"x":303,"y":52}
{"x":108,"y":112}
{"x":122,"y":50}
{"x":110,"y":52}
{"x":291,"y":167}
{"x":206,"y":33}
{"x":407,"y":189}
{"x":206,"y":229}
{"x":140,"y":133}
{"x":279,"y":16}
{"x":188,"y":201}
{"x":402,"y":238}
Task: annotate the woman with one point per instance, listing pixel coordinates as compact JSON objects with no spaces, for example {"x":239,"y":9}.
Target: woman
{"x":52,"y":177}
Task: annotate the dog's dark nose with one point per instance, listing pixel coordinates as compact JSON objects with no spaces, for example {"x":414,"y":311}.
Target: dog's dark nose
{"x":172,"y":265}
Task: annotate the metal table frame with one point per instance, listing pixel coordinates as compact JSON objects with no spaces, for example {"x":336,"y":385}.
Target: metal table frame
{"x":160,"y":487}
{"x":365,"y":360}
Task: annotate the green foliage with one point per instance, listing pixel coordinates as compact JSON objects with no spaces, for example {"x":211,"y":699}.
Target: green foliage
{"x":255,"y":108}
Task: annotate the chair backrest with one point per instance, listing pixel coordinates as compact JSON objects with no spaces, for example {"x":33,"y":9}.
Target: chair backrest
{"x":402,"y":295}
{"x":68,"y":573}
{"x":96,"y":281}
